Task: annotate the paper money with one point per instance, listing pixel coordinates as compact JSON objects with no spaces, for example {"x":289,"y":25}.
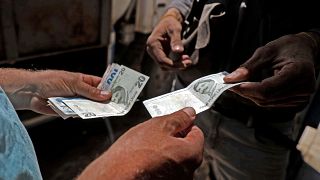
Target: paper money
{"x":309,"y":146}
{"x":125,"y":85}
{"x":109,"y":76}
{"x":125,"y":90}
{"x":200,"y":94}
{"x":61,"y":108}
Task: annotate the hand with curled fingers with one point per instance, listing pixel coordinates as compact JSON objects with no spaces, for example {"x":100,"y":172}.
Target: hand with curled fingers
{"x":167,"y":147}
{"x":281,"y":73}
{"x":166,"y":38}
{"x":31,"y":89}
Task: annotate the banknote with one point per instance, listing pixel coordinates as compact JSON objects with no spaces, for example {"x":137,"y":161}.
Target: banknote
{"x":58,"y":111}
{"x":61,"y":108}
{"x":109,"y":76}
{"x":200,"y":94}
{"x":125,"y":90}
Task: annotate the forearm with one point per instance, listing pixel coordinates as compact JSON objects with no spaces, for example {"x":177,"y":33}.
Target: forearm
{"x":18,"y":85}
{"x":116,"y":165}
{"x":133,"y":166}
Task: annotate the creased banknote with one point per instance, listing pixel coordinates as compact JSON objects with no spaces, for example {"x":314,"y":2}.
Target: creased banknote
{"x":57,"y":104}
{"x":109,"y":77}
{"x":200,"y":94}
{"x":125,"y":85}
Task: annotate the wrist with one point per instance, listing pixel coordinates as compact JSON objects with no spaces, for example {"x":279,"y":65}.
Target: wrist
{"x":173,"y":13}
{"x":116,"y":165}
{"x":314,"y":39}
{"x":18,"y":87}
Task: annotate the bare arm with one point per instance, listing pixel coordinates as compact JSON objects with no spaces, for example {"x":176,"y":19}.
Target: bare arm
{"x":30,"y":89}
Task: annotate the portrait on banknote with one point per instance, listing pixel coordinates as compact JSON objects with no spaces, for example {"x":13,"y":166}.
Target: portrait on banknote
{"x":119,"y":95}
{"x":206,"y":86}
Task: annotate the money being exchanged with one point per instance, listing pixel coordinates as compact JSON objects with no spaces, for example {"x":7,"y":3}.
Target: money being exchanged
{"x":125,"y":85}
{"x":200,"y":94}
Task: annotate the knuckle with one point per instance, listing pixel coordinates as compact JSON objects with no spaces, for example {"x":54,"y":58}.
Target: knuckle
{"x":151,"y":41}
{"x":266,"y":50}
{"x":264,"y":94}
{"x":167,"y":124}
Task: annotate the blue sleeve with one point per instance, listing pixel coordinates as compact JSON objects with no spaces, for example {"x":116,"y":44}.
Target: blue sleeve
{"x":17,"y":155}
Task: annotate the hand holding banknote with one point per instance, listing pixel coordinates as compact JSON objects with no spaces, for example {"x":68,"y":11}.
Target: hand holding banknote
{"x":125,"y":85}
{"x":63,"y":83}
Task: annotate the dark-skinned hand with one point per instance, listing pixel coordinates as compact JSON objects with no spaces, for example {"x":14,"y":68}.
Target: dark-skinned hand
{"x":289,"y":65}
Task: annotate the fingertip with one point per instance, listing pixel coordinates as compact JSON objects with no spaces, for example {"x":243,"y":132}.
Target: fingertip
{"x":190,"y":112}
{"x":177,"y":48}
{"x":198,"y":130}
{"x":105,"y":95}
{"x":195,"y":135}
{"x":239,"y":74}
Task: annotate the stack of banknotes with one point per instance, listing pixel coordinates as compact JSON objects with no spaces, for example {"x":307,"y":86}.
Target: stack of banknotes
{"x":309,"y":146}
{"x":125,"y":85}
{"x":200,"y":94}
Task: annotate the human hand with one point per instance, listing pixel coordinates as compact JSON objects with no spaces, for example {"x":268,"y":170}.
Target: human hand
{"x":167,"y":147}
{"x":50,"y":83}
{"x":166,"y":37}
{"x":289,"y":63}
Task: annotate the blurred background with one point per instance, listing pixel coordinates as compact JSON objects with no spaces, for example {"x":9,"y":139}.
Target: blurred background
{"x":85,"y":36}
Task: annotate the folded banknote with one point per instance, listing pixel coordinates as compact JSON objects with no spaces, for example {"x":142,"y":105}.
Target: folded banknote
{"x":200,"y":94}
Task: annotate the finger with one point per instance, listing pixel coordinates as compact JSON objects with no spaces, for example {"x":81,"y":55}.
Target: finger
{"x":290,"y":102}
{"x":48,"y":111}
{"x":178,"y":121}
{"x":259,"y":60}
{"x":85,"y":88}
{"x":174,"y":33}
{"x":157,"y":53}
{"x":92,"y":80}
{"x":287,"y":82}
{"x":194,"y":145}
{"x":41,"y":106}
{"x":287,"y":100}
{"x":195,"y":137}
{"x":186,"y":60}
{"x":240,"y":74}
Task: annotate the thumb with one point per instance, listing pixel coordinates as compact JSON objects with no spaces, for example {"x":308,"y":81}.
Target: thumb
{"x":175,"y":39}
{"x":179,"y":121}
{"x":257,"y":61}
{"x":240,"y":74}
{"x":93,"y":93}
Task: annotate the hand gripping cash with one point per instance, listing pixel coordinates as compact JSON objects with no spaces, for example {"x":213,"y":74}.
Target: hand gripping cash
{"x":125,"y":85}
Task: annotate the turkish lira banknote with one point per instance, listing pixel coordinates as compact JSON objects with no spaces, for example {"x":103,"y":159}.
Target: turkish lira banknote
{"x":125,"y":85}
{"x":200,"y":94}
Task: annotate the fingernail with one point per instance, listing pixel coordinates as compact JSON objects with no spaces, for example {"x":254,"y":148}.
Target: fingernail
{"x":234,"y":74}
{"x":105,"y":93}
{"x":190,"y":111}
{"x":177,"y":48}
